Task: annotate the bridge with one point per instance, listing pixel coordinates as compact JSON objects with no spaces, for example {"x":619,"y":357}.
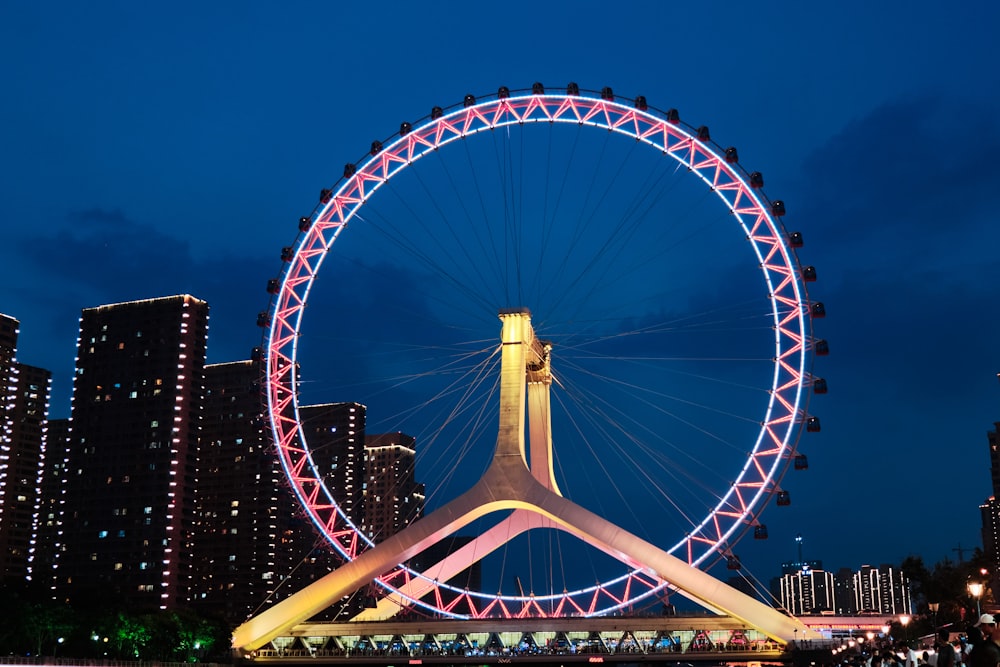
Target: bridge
{"x":685,"y":638}
{"x":694,"y":638}
{"x":739,"y":625}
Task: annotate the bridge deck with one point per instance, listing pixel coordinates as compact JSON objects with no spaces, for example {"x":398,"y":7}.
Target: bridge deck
{"x":699,"y":638}
{"x":622,"y":659}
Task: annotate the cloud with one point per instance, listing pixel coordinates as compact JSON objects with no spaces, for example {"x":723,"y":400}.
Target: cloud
{"x":908,"y":185}
{"x":103,"y":255}
{"x":898,"y":217}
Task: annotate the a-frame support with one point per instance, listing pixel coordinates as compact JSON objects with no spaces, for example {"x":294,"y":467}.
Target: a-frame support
{"x":509,"y":484}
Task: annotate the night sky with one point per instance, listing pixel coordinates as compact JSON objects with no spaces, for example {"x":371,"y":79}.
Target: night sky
{"x":152,"y":149}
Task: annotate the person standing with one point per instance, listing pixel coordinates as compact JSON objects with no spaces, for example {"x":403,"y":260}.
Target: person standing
{"x":986,"y":653}
{"x":945,"y":651}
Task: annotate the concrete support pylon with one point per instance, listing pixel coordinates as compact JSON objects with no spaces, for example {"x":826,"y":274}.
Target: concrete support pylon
{"x":509,"y":484}
{"x":538,"y":380}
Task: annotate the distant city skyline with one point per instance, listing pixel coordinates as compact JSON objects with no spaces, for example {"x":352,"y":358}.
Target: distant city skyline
{"x":231,"y":429}
{"x":243,"y":391}
{"x":162,"y":491}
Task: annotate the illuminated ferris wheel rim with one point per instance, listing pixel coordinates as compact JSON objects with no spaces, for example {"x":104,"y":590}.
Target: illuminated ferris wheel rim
{"x":718,"y":168}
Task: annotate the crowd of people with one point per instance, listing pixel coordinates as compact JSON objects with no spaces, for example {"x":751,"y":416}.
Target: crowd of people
{"x":976,"y":647}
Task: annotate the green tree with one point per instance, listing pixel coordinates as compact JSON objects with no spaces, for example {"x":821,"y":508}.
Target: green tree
{"x":45,"y":623}
{"x":129,"y":636}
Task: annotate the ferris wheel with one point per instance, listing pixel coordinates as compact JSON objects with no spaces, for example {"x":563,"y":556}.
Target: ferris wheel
{"x":650,"y":259}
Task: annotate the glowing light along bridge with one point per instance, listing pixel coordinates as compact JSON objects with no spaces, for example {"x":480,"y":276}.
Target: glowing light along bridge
{"x":694,"y":638}
{"x":531,"y":492}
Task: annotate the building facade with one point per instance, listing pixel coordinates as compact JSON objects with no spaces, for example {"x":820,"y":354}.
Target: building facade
{"x":881,"y":590}
{"x":131,"y":468}
{"x":24,"y":405}
{"x":989,"y":510}
{"x":48,"y":526}
{"x":392,"y":497}
{"x":240,"y":500}
{"x":846,"y":594}
{"x":808,"y":591}
{"x":162,"y":491}
{"x":336,"y":436}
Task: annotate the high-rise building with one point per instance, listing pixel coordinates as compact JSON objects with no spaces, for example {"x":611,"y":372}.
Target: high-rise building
{"x":869,"y":590}
{"x":24,"y":404}
{"x":846,"y":595}
{"x":993,"y":437}
{"x":807,"y":591}
{"x":8,"y":387}
{"x":881,"y":590}
{"x":132,"y":462}
{"x":336,"y":436}
{"x":21,"y":479}
{"x":392,"y":497}
{"x":48,"y":525}
{"x":335,"y":433}
{"x":990,"y":510}
{"x":241,"y":503}
{"x":9,"y":329}
{"x":253,"y":545}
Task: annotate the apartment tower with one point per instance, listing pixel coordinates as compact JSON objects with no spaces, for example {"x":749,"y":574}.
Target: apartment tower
{"x":129,"y":505}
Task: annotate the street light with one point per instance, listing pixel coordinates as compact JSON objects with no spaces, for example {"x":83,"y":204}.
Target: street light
{"x":976,"y":591}
{"x":933,"y":606}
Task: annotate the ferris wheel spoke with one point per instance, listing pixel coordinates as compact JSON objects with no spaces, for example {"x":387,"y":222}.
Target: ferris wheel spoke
{"x":684,"y":470}
{"x":660,"y":274}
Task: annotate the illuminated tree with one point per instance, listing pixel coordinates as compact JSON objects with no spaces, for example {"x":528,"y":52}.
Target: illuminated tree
{"x":45,"y":623}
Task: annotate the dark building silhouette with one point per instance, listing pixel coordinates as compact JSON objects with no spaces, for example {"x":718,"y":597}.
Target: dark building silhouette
{"x":806,"y":588}
{"x":807,"y":591}
{"x":132,"y":463}
{"x":24,"y":403}
{"x":392,"y":497}
{"x":336,"y":436}
{"x":48,"y":525}
{"x":9,"y":329}
{"x":882,"y":590}
{"x":253,"y":544}
{"x":162,"y":491}
{"x":335,"y":433}
{"x":989,"y":510}
{"x":9,"y":558}
{"x":242,"y":507}
{"x":846,"y":595}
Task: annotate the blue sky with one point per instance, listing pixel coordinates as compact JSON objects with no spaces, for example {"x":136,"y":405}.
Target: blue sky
{"x":152,"y":149}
